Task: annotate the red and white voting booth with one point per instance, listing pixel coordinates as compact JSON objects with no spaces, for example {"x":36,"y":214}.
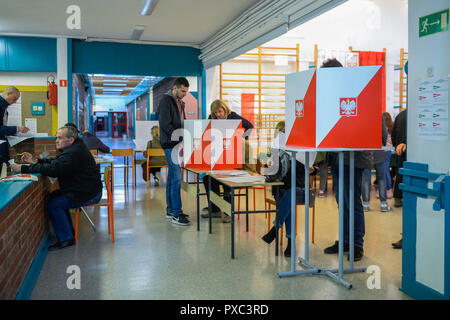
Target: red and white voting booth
{"x":331,"y":109}
{"x":334,"y":108}
{"x":213,"y":144}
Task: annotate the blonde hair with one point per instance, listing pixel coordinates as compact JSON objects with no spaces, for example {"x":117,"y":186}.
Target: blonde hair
{"x":155,"y":131}
{"x":279,"y":127}
{"x":216,"y":104}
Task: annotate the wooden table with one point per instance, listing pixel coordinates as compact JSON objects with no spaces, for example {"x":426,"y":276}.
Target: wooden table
{"x":229,"y":207}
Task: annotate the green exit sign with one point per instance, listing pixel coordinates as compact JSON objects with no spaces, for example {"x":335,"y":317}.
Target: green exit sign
{"x":433,"y":23}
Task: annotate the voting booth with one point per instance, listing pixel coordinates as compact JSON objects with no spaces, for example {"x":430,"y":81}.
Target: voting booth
{"x":213,"y":144}
{"x":338,"y":110}
{"x":334,"y":108}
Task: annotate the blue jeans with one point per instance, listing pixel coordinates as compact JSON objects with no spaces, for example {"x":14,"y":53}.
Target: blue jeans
{"x":381,"y":179}
{"x":359,"y":224}
{"x":58,"y":210}
{"x":284,"y":208}
{"x":387,"y":168}
{"x":173,"y":185}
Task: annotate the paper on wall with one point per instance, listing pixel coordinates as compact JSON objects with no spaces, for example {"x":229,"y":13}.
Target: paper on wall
{"x":15,"y":113}
{"x":433,"y":106}
{"x":31,"y":123}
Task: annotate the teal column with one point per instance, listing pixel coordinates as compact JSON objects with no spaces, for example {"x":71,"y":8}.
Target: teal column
{"x":69,"y":81}
{"x":134,"y":119}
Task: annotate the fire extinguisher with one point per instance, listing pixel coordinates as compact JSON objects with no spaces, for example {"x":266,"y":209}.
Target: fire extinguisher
{"x":52,"y":91}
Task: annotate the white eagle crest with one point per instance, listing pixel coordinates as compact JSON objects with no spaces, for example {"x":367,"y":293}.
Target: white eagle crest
{"x":348,"y":107}
{"x":298,"y":108}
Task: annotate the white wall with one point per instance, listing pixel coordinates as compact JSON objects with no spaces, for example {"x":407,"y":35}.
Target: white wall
{"x":427,"y":53}
{"x":365,"y":25}
{"x":24,"y":78}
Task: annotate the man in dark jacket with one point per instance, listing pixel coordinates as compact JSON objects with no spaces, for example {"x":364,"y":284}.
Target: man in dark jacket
{"x":363,"y":160}
{"x":171,"y":116}
{"x":78,"y":177}
{"x":8,"y":97}
{"x":94,"y":143}
{"x":399,"y":142}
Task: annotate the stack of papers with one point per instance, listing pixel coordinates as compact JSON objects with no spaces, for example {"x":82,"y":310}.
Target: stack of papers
{"x":247,"y":179}
{"x":231,"y":173}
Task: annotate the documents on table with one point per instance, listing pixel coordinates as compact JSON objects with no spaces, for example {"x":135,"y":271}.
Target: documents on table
{"x":232,"y":173}
{"x":13,"y":140}
{"x":245,"y":179}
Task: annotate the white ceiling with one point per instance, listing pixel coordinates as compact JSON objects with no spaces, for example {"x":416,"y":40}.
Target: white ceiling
{"x":178,"y":21}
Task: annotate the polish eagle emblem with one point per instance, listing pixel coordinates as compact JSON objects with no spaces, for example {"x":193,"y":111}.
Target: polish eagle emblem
{"x":348,"y":107}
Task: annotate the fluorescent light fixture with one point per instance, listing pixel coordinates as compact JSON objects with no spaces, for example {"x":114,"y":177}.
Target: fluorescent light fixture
{"x":149,"y":7}
{"x":138,"y":30}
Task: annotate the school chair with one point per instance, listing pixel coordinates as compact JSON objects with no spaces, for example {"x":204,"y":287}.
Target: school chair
{"x":154,"y":153}
{"x":108,"y":202}
{"x":126,"y":153}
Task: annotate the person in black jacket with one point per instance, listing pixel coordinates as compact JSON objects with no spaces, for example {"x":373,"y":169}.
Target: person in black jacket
{"x":283,"y":174}
{"x":8,"y":97}
{"x":220,"y":110}
{"x":94,"y":143}
{"x":171,"y":115}
{"x":78,"y":177}
{"x":399,"y":142}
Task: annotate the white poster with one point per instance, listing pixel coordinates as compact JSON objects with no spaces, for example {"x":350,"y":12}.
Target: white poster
{"x":433,"y":106}
{"x":31,"y":123}
{"x":15,"y":114}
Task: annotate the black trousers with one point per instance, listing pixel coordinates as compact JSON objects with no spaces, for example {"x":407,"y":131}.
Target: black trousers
{"x":215,"y":187}
{"x":399,"y":178}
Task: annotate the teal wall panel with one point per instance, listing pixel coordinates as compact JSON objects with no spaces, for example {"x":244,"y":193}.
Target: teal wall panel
{"x":135,"y":59}
{"x":28,"y":54}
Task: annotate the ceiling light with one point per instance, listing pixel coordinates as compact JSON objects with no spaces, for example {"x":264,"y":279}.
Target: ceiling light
{"x":138,"y":30}
{"x":149,"y":7}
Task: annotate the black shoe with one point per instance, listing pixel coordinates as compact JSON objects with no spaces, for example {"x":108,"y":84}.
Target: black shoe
{"x":180,"y":220}
{"x":335,"y":248}
{"x":398,"y":244}
{"x":398,"y":203}
{"x":287,"y":251}
{"x":61,"y":245}
{"x":269,"y":236}
{"x":358,"y":253}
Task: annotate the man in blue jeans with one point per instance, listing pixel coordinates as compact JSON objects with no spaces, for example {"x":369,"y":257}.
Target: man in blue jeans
{"x":78,"y":178}
{"x":171,"y":115}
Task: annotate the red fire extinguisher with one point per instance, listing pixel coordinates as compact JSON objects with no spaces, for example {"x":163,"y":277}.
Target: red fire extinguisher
{"x":52,"y":91}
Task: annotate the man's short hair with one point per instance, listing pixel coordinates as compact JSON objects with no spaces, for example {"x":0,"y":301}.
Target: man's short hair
{"x":70,"y":124}
{"x":331,"y":63}
{"x":11,"y":90}
{"x":181,"y":81}
{"x":70,"y":132}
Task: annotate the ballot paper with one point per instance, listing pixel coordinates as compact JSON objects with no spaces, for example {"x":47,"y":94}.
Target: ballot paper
{"x":231,"y":172}
{"x":31,"y":123}
{"x":248,"y":179}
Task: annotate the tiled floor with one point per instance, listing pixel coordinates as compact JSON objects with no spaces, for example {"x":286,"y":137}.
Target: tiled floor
{"x":155,"y":259}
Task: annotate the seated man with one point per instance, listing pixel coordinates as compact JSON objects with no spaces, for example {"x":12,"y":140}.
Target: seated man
{"x":94,"y":143}
{"x":78,"y":177}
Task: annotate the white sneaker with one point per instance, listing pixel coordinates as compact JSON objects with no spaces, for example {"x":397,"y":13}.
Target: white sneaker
{"x":366,"y":206}
{"x":384,"y":207}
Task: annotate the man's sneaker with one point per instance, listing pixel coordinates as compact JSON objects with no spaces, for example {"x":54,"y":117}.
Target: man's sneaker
{"x":358,"y":253}
{"x":366,"y":206}
{"x":169,"y":215}
{"x":321,"y":194}
{"x":213,"y":215}
{"x":384,"y":207}
{"x":226,"y":218}
{"x":335,"y":248}
{"x":180,"y":220}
